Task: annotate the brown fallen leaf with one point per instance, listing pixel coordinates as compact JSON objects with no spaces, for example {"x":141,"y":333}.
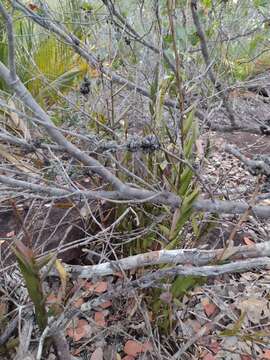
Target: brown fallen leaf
{"x":101,"y":287}
{"x":106,"y":304}
{"x":209,"y":356}
{"x":255,"y":309}
{"x":147,"y":346}
{"x":100,"y":318}
{"x":266,"y":355}
{"x":81,"y":330}
{"x":214,"y":346}
{"x":247,"y":241}
{"x":97,"y":354}
{"x":78,"y":303}
{"x":10,"y":234}
{"x":246,"y":357}
{"x":200,"y":148}
{"x":52,"y":298}
{"x":18,"y":124}
{"x":133,"y":347}
{"x":209,"y":307}
{"x":98,"y":288}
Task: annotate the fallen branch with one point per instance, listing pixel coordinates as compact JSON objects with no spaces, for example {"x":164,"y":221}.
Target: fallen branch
{"x":139,"y":196}
{"x":211,"y":270}
{"x":152,"y":278}
{"x":261,"y":164}
{"x":193,"y":257}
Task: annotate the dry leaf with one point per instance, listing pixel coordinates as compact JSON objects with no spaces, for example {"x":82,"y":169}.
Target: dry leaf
{"x":3,"y":309}
{"x":18,"y":123}
{"x":255,"y":309}
{"x":200,"y":148}
{"x":266,"y":355}
{"x":209,"y":356}
{"x":33,"y":7}
{"x":209,"y":308}
{"x":24,"y":251}
{"x":100,"y":318}
{"x":214,"y":346}
{"x":119,"y":274}
{"x":52,"y":299}
{"x":81,"y":330}
{"x":16,"y":161}
{"x":85,"y":211}
{"x":247,"y":241}
{"x":97,"y":354}
{"x":147,"y":346}
{"x":98,"y":288}
{"x":63,"y":277}
{"x":133,"y":347}
{"x":10,"y":234}
{"x":78,"y":303}
{"x":106,"y":304}
{"x":101,"y":287}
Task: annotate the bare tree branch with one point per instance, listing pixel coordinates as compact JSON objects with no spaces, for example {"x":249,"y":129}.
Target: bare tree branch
{"x":254,"y":166}
{"x":25,"y":96}
{"x":151,"y":279}
{"x":211,"y":270}
{"x":130,"y":31}
{"x":71,"y":40}
{"x":138,"y":195}
{"x":206,"y":57}
{"x":193,"y":257}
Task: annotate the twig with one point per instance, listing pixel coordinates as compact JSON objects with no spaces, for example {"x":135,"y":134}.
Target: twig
{"x":130,"y":31}
{"x":71,"y":40}
{"x":25,"y":337}
{"x":206,"y":57}
{"x":203,"y":331}
{"x":213,"y":270}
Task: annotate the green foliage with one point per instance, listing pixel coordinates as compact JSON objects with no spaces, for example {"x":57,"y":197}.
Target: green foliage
{"x":260,"y":3}
{"x":207,"y":3}
{"x":183,"y":184}
{"x":30,"y":271}
{"x":44,"y":64}
{"x":183,"y":284}
{"x":235,"y":330}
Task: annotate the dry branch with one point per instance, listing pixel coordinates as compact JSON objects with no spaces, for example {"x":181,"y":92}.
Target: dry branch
{"x":151,"y":279}
{"x":138,"y":196}
{"x":193,"y":257}
{"x":123,"y":192}
{"x":254,"y":166}
{"x":205,"y":53}
{"x":71,"y":40}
